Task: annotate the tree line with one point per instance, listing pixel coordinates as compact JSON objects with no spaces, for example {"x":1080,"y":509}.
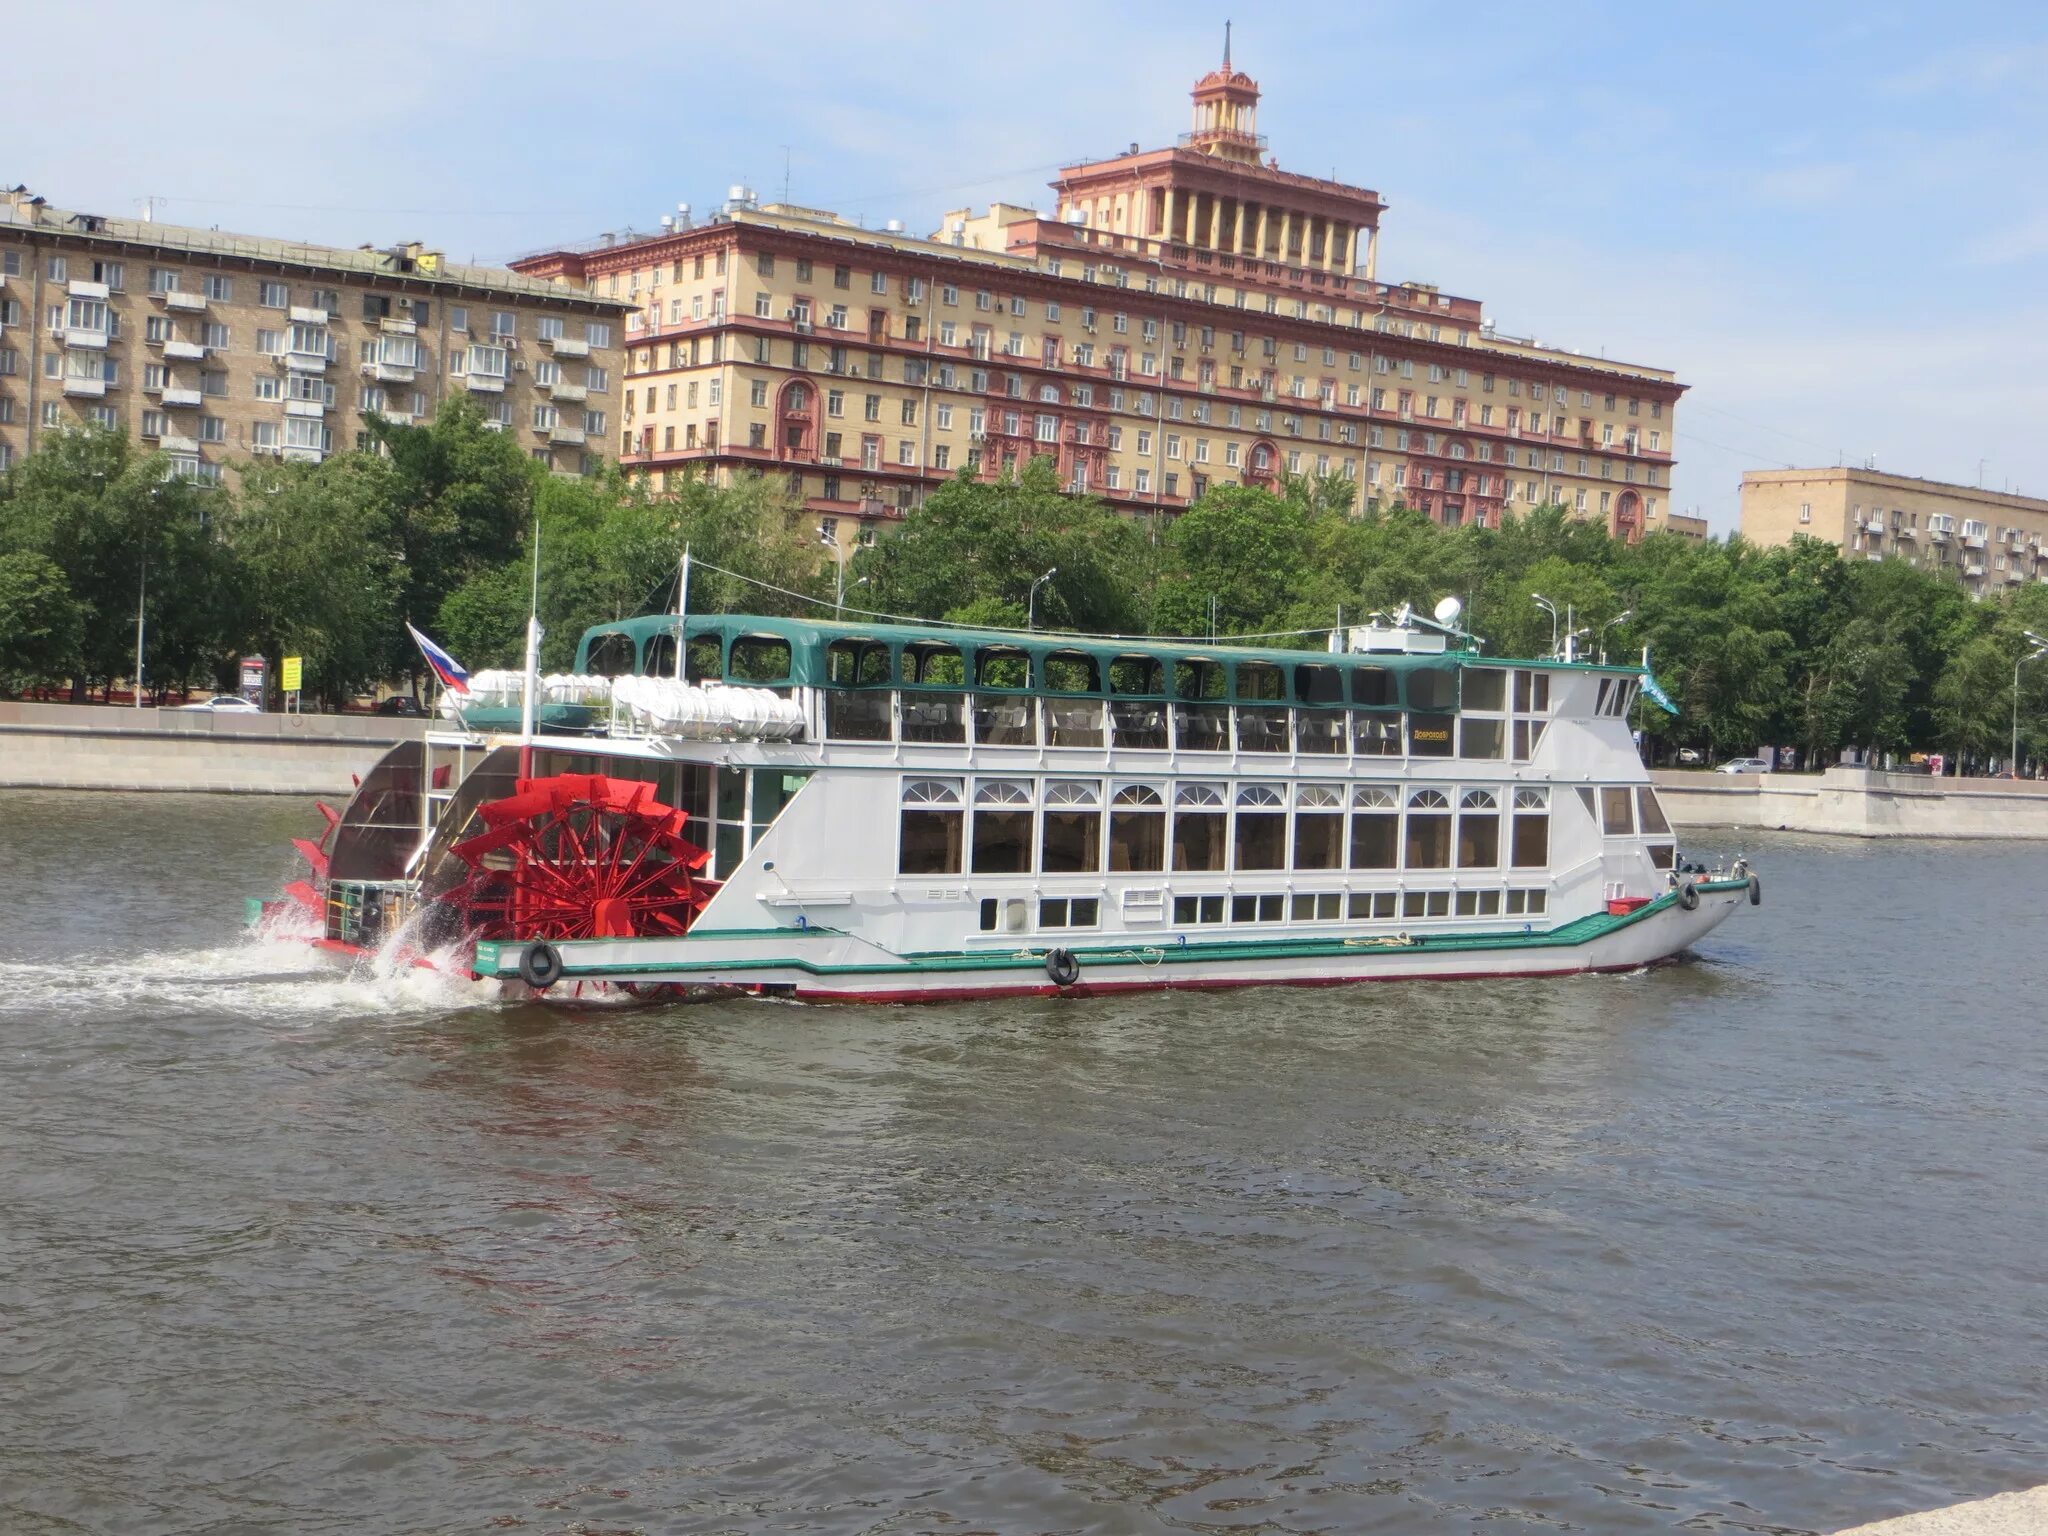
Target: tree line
{"x":432,"y":525}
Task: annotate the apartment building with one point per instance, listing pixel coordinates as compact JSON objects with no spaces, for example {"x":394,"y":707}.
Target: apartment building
{"x":217,"y":348}
{"x":1987,"y":540}
{"x":1189,"y":316}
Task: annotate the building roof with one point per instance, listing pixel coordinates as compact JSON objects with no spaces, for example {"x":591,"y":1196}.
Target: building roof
{"x":1878,"y":477}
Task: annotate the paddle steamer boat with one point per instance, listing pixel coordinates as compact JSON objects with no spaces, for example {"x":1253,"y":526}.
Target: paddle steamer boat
{"x":881,"y":812}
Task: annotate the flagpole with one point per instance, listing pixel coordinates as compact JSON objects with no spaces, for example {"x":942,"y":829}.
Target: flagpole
{"x":531,"y":682}
{"x":682,"y":610}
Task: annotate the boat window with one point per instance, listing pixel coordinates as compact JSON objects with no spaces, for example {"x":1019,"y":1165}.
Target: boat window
{"x":760,"y":659}
{"x":1139,"y":675}
{"x":1528,"y":738}
{"x":1374,"y":797}
{"x":706,"y":661}
{"x":1373,"y":688}
{"x":1002,"y":827}
{"x":1532,"y":693}
{"x":1197,"y":909}
{"x":1070,"y":912}
{"x":1485,"y":688}
{"x":857,"y":663}
{"x":1373,"y":904}
{"x":1071,"y":672}
{"x":1376,"y":833}
{"x":932,"y":665}
{"x":1319,"y":826}
{"x":1138,"y":725}
{"x":1651,"y":812}
{"x":1268,"y":908}
{"x":1478,"y":903}
{"x":1004,"y":721}
{"x":1002,"y":666}
{"x":1375,"y":735}
{"x":1478,"y":829}
{"x":1319,"y":683}
{"x":611,"y":656}
{"x":1261,"y":794}
{"x":1617,"y":811}
{"x":929,"y":838}
{"x":1430,"y":735}
{"x":856,"y":715}
{"x":1661,"y":855}
{"x":1433,"y":688}
{"x":1426,"y":904}
{"x":1073,"y":722}
{"x":1481,"y":739}
{"x":1197,"y":679}
{"x":1320,"y":731}
{"x":1262,"y":727}
{"x":1532,"y":902}
{"x":1322,"y":907}
{"x":928,"y":717}
{"x":1429,"y":830}
{"x":1198,"y":827}
{"x":1202,"y":727}
{"x":1592,"y":806}
{"x":1260,"y":680}
{"x":658,"y":657}
{"x":1070,"y":835}
{"x":1137,"y":829}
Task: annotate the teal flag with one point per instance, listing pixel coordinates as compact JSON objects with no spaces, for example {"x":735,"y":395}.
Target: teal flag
{"x":1655,"y":689}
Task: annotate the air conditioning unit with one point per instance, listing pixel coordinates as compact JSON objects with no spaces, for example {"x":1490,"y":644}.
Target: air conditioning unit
{"x":519,"y":365}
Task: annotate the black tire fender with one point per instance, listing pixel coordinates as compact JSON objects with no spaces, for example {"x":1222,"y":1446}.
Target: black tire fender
{"x":1756,"y":891}
{"x":541,"y":966}
{"x":1062,"y":967}
{"x":1688,"y":897}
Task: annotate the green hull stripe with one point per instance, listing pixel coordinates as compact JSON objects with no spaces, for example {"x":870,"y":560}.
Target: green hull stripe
{"x":1583,"y":930}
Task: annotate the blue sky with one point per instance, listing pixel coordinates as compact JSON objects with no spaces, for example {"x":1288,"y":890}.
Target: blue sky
{"x":1831,"y":220}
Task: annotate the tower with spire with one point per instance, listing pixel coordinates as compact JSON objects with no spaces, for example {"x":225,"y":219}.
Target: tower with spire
{"x":1227,"y":113}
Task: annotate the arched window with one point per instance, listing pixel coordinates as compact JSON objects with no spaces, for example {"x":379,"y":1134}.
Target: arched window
{"x":1319,"y":826}
{"x":1199,"y":819}
{"x":1429,"y":830}
{"x":1478,"y":829}
{"x":1529,"y":838}
{"x":1002,"y":827}
{"x":929,"y":831}
{"x":1261,"y":841}
{"x":1137,"y":829}
{"x":1070,"y":838}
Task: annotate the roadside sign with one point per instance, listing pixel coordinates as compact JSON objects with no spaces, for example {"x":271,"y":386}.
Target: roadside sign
{"x":252,"y":680}
{"x":289,"y":673}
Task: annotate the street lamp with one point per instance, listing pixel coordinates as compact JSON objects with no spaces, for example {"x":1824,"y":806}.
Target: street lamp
{"x":840,"y":589}
{"x":1619,"y":618}
{"x":2041,"y":649}
{"x":1550,"y":608}
{"x":1031,"y":599}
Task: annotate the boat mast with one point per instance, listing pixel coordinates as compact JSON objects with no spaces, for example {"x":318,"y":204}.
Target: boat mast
{"x":682,"y":609}
{"x":530,"y":683}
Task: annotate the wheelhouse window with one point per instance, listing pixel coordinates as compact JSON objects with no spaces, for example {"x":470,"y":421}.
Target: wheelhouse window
{"x":1070,"y":834}
{"x":1430,"y":735}
{"x":929,"y":838}
{"x":1479,"y":829}
{"x":1137,"y":829}
{"x":1375,"y":827}
{"x":1529,"y":838}
{"x":1199,"y":817}
{"x":1651,"y":812}
{"x":1261,"y":841}
{"x":1617,"y":811}
{"x":1482,"y":714}
{"x":1376,"y":735}
{"x":1429,"y":829}
{"x":1002,"y":827}
{"x":1433,"y":690}
{"x":1319,"y":826}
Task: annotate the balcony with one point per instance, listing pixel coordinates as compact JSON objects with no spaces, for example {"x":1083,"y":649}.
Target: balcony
{"x":309,"y":408}
{"x":85,"y":337}
{"x":297,"y":455}
{"x":494,"y":426}
{"x":300,"y":315}
{"x":184,"y":351}
{"x":1875,"y":525}
{"x":563,"y":346}
{"x":92,"y":389}
{"x":399,"y":418}
{"x":572,"y":436}
{"x":1973,"y":568}
{"x":391,"y":326}
{"x":567,"y":391}
{"x":486,"y":383}
{"x":188,"y":303}
{"x":171,"y":442}
{"x":1905,"y":533}
{"x":1938,"y":535}
{"x":177,"y":397}
{"x":390,"y":373}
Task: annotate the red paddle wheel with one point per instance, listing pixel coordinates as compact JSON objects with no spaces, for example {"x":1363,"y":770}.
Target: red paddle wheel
{"x":580,"y":856}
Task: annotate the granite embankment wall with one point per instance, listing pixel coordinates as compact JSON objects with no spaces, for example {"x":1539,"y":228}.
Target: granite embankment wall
{"x":84,"y":746}
{"x":1857,"y":802}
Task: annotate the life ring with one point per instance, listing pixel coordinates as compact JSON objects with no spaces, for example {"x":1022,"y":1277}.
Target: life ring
{"x":1689,"y":896}
{"x":1756,"y":891}
{"x":540,"y":967}
{"x":1062,"y":967}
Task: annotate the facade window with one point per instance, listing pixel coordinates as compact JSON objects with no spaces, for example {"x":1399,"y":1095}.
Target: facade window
{"x":930,"y":825}
{"x":1428,"y":843}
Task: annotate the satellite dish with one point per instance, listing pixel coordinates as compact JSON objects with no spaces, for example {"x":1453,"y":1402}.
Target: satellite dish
{"x":1448,"y":610}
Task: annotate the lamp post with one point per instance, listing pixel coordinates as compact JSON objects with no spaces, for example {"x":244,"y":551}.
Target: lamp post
{"x":1550,"y":608}
{"x":840,"y":590}
{"x":1619,"y":618}
{"x":1031,"y":599}
{"x":2041,"y":649}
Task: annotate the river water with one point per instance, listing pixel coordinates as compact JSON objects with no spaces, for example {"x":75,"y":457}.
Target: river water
{"x":1753,"y":1243}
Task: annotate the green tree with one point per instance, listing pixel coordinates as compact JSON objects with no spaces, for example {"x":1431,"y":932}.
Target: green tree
{"x":41,"y":624}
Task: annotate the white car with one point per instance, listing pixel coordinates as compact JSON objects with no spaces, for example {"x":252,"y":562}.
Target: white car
{"x":226,"y":704}
{"x":1744,"y":765}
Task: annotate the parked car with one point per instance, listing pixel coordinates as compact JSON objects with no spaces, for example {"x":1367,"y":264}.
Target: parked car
{"x":398,"y":704}
{"x":1745,"y":765}
{"x":1691,"y":756}
{"x":225,"y":704}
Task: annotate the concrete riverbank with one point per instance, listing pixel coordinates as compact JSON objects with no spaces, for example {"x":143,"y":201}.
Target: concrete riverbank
{"x":2009,"y":1514}
{"x":83,"y":746}
{"x":1857,"y":802}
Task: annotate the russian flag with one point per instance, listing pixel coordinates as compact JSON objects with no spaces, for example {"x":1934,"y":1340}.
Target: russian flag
{"x":446,"y":667}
